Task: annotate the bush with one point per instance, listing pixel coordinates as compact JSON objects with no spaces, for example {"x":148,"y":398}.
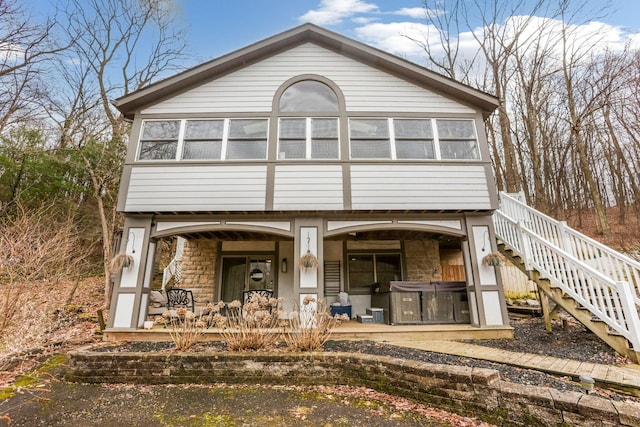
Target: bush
{"x":256,"y":325}
{"x":311,"y":326}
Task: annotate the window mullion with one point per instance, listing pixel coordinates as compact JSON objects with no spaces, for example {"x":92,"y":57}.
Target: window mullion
{"x":308,"y":137}
{"x":225,"y":138}
{"x":436,"y":139}
{"x":180,"y":145}
{"x":392,"y":139}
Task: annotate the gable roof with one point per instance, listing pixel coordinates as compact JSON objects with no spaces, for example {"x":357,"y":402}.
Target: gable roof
{"x":305,"y":33}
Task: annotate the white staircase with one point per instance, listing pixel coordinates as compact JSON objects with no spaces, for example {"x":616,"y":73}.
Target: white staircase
{"x":597,"y":285}
{"x":174,"y":268}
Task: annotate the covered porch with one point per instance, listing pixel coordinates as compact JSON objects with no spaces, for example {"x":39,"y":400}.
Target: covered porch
{"x":219,"y":258}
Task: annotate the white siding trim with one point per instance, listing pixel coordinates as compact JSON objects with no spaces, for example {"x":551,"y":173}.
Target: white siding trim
{"x":278,"y":225}
{"x":163,"y":226}
{"x":336,"y":225}
{"x":447,"y":224}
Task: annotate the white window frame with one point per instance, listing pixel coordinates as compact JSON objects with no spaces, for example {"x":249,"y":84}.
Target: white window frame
{"x":139,"y":146}
{"x":434,"y":130}
{"x":308,"y":137}
{"x":181,"y":134}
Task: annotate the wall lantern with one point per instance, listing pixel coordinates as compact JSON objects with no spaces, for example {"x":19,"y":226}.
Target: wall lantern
{"x":283,"y":265}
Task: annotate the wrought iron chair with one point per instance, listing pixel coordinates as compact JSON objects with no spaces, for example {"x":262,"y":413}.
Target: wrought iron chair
{"x":247,"y":295}
{"x":180,"y":298}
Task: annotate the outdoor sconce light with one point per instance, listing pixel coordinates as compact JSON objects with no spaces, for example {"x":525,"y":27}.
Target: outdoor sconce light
{"x":284,"y":265}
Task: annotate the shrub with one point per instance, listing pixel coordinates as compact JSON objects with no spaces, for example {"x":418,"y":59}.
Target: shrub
{"x":311,"y":326}
{"x":184,"y":328}
{"x":256,"y":325}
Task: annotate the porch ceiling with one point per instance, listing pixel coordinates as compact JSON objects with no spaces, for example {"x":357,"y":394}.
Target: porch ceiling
{"x":234,"y":235}
{"x":445,"y":240}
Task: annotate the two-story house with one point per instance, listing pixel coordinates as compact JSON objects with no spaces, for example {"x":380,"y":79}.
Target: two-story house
{"x":309,"y":141}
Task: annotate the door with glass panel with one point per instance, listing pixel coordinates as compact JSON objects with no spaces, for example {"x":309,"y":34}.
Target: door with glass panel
{"x":245,"y":273}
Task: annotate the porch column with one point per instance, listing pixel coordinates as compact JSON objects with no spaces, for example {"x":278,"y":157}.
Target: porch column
{"x":129,"y":302}
{"x":309,"y":236}
{"x":487,"y":303}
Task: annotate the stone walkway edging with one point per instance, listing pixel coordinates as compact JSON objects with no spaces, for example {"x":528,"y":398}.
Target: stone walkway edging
{"x":622,"y":378}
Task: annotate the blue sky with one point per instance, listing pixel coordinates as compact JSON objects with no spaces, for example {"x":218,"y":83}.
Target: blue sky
{"x":217,"y":27}
{"x":221,"y":26}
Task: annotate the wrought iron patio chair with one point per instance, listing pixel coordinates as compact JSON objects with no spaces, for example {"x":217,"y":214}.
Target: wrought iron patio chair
{"x":180,"y":298}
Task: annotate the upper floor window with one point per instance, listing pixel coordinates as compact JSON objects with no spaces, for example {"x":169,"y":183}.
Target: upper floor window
{"x":308,"y":138}
{"x":203,"y":139}
{"x":210,"y":139}
{"x":457,"y":139}
{"x":308,"y":95}
{"x":370,"y":139}
{"x":414,"y":139}
{"x":159,"y":140}
{"x":373,"y":138}
{"x":247,"y":139}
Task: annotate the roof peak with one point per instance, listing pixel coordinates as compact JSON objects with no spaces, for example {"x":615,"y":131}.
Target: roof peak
{"x":288,"y":39}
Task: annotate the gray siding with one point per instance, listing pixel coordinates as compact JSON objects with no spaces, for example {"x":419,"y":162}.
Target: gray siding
{"x":197,"y":188}
{"x":433,"y":187}
{"x":308,"y":187}
{"x":193,"y":188}
{"x":251,"y":89}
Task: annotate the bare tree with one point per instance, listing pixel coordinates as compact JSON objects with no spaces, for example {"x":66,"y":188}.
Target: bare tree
{"x":24,"y":50}
{"x":117,"y":46}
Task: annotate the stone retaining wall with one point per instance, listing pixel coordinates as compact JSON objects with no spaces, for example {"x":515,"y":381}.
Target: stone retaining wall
{"x":475,"y":392}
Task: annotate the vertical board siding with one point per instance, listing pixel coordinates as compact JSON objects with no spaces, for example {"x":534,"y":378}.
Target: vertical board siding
{"x":251,"y":89}
{"x":308,"y":187}
{"x":432,"y":187}
{"x":197,"y":188}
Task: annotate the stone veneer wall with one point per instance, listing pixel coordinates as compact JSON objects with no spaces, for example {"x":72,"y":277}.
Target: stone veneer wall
{"x":422,"y":258}
{"x":475,"y":392}
{"x":199,"y":267}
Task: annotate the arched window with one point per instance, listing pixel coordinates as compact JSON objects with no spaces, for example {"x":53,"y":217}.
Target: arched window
{"x":308,"y":95}
{"x":308,"y":127}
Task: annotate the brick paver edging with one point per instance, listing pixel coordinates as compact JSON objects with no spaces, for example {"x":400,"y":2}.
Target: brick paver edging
{"x":468,"y":391}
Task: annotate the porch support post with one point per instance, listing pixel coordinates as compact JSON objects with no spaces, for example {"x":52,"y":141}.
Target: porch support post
{"x":127,"y":298}
{"x":309,"y":236}
{"x":488,"y":293}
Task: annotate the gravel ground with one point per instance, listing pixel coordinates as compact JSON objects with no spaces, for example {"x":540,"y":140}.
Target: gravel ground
{"x":573,"y":341}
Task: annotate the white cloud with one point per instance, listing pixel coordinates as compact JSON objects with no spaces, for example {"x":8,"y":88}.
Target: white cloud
{"x":332,"y":12}
{"x":593,"y":37}
{"x":361,"y":20}
{"x":412,"y":12}
{"x":395,"y":38}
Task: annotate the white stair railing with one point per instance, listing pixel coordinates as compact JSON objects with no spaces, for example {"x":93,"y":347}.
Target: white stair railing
{"x":174,"y":268}
{"x":607,"y":261}
{"x":603,"y":281}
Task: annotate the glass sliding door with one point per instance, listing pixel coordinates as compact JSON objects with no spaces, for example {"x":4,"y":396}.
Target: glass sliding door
{"x":245,"y":273}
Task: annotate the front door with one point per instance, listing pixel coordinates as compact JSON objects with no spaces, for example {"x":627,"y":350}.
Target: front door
{"x":245,"y":273}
